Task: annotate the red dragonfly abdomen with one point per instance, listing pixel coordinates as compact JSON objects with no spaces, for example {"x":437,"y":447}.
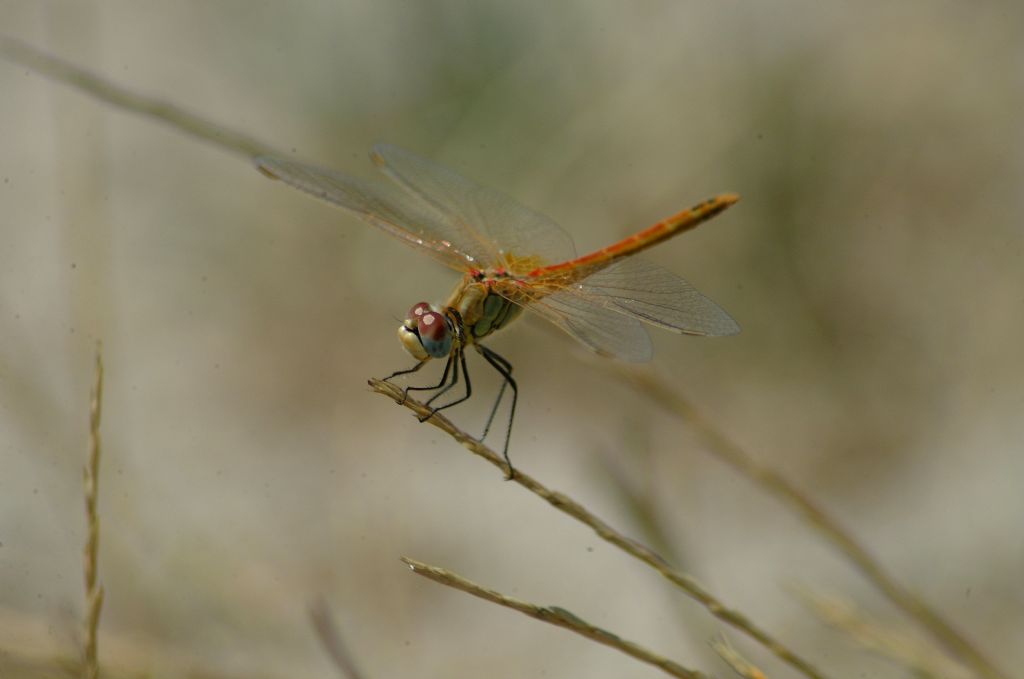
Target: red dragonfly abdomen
{"x":581,"y":267}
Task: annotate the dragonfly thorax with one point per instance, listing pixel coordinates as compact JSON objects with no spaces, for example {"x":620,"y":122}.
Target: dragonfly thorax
{"x":481,"y":309}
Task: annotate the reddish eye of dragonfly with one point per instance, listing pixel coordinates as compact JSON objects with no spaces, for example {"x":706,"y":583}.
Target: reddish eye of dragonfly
{"x":418,"y":310}
{"x":434,"y":334}
{"x":432,"y":326}
{"x":425,"y":333}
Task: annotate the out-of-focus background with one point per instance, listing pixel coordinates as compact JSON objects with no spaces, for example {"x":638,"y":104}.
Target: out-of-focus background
{"x":875,"y":263}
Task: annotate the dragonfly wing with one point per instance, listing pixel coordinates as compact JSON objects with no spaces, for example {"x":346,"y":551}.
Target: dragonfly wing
{"x":492,"y":220}
{"x":389,"y":208}
{"x":603,"y":330}
{"x":657,"y":296}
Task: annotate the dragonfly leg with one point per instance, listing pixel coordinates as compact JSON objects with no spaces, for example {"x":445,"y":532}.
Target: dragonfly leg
{"x":501,"y":392}
{"x":407,"y":371}
{"x":405,"y":392}
{"x":454,"y":362}
{"x":503,"y":367}
{"x":464,"y":397}
{"x":440,"y":385}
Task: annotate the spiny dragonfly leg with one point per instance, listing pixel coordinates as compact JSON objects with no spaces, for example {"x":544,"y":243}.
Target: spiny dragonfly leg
{"x":454,"y":362}
{"x":405,"y":392}
{"x":407,"y":371}
{"x":503,"y":367}
{"x":439,"y":385}
{"x":469,"y":387}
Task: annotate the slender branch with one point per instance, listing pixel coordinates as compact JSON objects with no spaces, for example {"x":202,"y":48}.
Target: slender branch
{"x":90,"y":560}
{"x":733,"y":659}
{"x":729,"y":452}
{"x":574,"y":509}
{"x":555,"y":616}
{"x":910,"y":652}
{"x":630,"y":482}
{"x":121,"y":97}
{"x":327,"y":631}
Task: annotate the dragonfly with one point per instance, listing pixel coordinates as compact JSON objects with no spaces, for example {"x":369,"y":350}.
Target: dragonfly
{"x":511,"y":258}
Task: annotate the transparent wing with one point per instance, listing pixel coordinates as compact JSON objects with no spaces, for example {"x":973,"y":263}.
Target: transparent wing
{"x":603,"y":330}
{"x":514,"y":236}
{"x":605,"y":309}
{"x":655,"y":295}
{"x":395,"y":211}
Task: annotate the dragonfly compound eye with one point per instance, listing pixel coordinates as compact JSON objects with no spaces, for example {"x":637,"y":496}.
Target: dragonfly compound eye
{"x":434,"y":334}
{"x":425,"y":333}
{"x":417,"y":311}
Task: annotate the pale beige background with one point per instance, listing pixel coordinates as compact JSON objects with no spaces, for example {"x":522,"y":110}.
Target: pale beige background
{"x":876,"y":264}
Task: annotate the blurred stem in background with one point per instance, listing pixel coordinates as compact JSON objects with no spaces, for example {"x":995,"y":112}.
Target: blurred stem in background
{"x":726,"y":450}
{"x":90,"y":560}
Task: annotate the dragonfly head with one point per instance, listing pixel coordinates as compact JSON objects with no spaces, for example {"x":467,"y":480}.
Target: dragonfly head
{"x":425,"y":333}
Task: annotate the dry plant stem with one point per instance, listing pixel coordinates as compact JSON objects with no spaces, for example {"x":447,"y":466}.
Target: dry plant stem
{"x":604,"y":531}
{"x":555,"y":616}
{"x":93,"y":591}
{"x":118,"y":96}
{"x":737,"y":662}
{"x":327,"y":631}
{"x":725,"y":449}
{"x":911,"y":653}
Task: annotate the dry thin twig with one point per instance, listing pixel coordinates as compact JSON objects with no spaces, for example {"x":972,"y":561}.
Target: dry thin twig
{"x":641,"y":505}
{"x":896,"y":645}
{"x":555,"y":616}
{"x":158,"y":109}
{"x":728,"y":451}
{"x":93,"y":590}
{"x":574,"y":509}
{"x":737,"y":662}
{"x":327,"y":631}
